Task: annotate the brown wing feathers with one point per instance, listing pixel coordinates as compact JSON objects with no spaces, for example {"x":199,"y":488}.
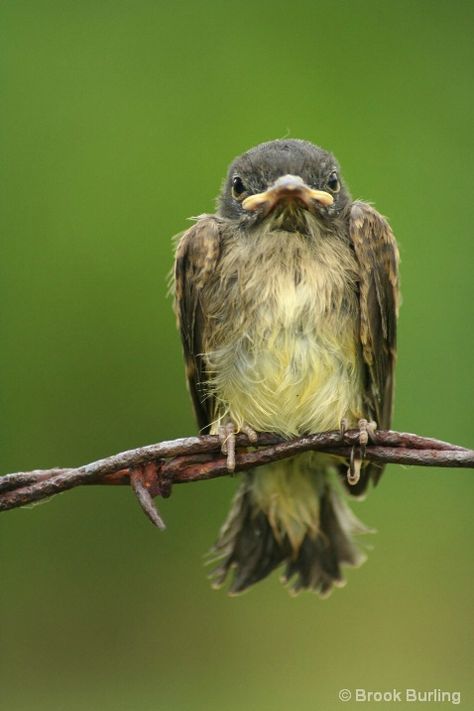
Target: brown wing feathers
{"x":196,"y":259}
{"x":377,"y":254}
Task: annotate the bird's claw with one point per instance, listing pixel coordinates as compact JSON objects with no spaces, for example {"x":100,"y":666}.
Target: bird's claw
{"x":251,"y":434}
{"x":355,"y":464}
{"x":227,"y":439}
{"x":366,"y":434}
{"x":226,"y":434}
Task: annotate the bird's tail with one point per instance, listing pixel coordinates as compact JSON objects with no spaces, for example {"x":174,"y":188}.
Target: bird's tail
{"x":292,"y":513}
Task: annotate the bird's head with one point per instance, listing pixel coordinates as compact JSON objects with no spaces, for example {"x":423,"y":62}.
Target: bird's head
{"x":283,"y":180}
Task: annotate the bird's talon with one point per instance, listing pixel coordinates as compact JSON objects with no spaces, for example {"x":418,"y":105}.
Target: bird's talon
{"x":363,"y":435}
{"x":251,"y":434}
{"x":371,"y":431}
{"x":231,"y":458}
{"x":355,"y":463}
{"x":366,"y":433}
{"x":222,"y":434}
{"x":227,"y":439}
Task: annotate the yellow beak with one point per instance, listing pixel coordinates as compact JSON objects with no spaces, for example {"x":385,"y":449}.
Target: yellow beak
{"x":288,"y":188}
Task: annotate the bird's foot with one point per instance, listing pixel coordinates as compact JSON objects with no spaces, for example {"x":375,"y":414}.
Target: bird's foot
{"x":366,"y":434}
{"x":227,"y":434}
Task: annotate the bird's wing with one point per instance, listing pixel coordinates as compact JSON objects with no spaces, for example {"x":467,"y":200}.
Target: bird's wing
{"x":197,"y":255}
{"x":377,"y":255}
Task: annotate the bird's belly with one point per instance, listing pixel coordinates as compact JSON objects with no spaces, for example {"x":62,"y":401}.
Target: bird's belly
{"x":284,"y":375}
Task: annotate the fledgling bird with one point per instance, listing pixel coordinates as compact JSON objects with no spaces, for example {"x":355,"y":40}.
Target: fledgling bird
{"x":287,"y":300}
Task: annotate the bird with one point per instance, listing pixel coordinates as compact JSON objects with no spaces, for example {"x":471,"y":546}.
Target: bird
{"x":286,"y":300}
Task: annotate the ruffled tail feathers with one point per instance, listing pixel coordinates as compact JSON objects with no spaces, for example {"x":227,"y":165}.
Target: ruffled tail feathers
{"x":318,"y":563}
{"x":249,"y":550}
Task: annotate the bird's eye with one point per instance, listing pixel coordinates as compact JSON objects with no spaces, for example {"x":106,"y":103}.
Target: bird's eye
{"x":333,"y":182}
{"x":238,"y":188}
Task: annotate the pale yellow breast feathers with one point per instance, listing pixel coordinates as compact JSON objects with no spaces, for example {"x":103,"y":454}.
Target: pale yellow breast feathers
{"x":281,"y":334}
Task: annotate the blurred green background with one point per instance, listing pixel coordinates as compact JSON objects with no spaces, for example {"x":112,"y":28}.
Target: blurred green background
{"x":118,"y":121}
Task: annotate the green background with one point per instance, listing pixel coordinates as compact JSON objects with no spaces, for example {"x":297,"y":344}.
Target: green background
{"x":117,"y":122}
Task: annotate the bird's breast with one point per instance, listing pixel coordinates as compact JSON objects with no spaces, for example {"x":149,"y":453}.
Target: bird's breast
{"x":281,"y":345}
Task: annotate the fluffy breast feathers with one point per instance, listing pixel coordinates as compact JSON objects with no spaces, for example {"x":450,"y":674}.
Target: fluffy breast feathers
{"x":280,"y":333}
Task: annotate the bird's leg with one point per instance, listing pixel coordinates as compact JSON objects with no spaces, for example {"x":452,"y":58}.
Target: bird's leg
{"x":366,"y":433}
{"x":227,"y":434}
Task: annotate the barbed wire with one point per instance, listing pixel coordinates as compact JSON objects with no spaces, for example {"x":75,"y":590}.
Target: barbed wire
{"x":152,"y":470}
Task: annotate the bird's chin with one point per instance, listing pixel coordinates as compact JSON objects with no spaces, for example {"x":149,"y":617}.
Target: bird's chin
{"x":291,"y":217}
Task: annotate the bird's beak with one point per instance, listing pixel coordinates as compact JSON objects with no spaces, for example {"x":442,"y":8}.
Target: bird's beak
{"x":288,"y":188}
